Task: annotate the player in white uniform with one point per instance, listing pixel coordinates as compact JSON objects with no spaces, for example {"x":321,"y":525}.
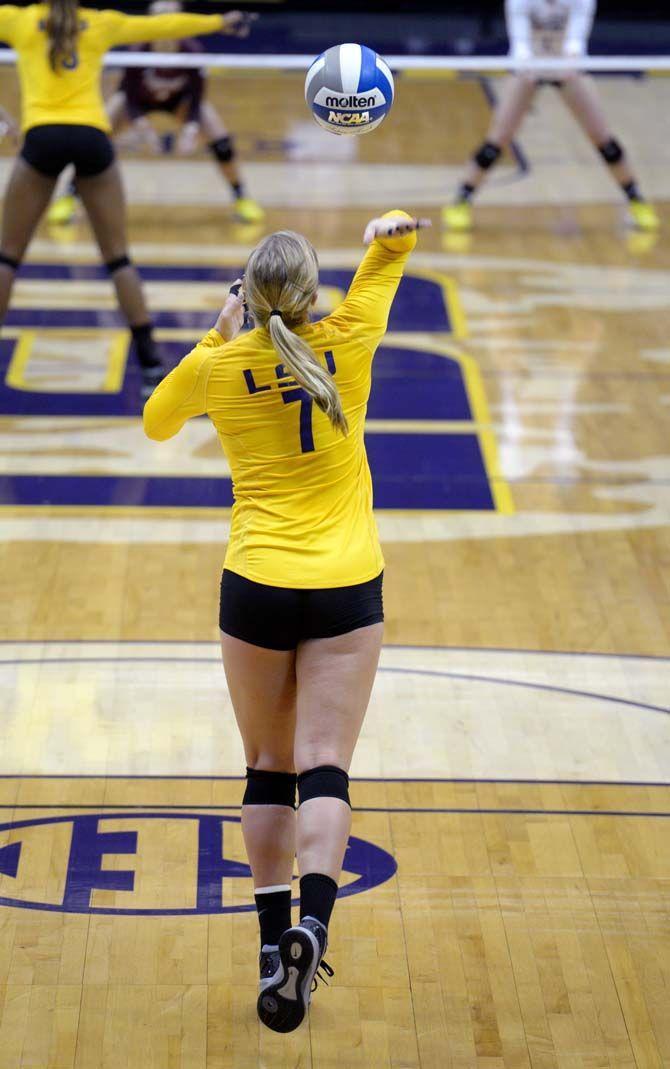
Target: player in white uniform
{"x":551,"y":28}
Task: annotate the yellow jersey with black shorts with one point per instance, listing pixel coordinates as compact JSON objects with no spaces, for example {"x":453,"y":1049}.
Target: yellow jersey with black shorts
{"x":302,"y":516}
{"x":72,"y":94}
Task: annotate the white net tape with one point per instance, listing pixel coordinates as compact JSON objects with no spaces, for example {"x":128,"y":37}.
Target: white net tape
{"x":238,"y":61}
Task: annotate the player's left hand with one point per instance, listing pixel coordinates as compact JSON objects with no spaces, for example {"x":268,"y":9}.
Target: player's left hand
{"x":187,"y":142}
{"x":231,"y":317}
{"x":238,"y":23}
{"x":573,"y":49}
{"x":8,"y":127}
{"x":393,"y":226}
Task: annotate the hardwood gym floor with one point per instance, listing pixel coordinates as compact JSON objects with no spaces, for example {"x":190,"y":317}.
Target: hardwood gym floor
{"x":508,"y":883}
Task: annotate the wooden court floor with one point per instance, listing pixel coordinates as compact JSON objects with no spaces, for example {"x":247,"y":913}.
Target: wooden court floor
{"x":506,"y":893}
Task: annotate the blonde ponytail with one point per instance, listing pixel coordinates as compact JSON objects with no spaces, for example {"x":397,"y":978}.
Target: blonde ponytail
{"x":280,"y":281}
{"x":63,"y":30}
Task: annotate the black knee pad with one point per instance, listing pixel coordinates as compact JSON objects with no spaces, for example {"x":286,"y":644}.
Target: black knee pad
{"x":223,"y":149}
{"x":270,"y":788}
{"x":487,"y":155}
{"x":9,"y":261}
{"x":326,"y":781}
{"x":118,"y":264}
{"x":611,"y":151}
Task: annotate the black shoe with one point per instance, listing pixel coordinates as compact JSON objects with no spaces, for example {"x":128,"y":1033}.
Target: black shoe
{"x":282,"y":1004}
{"x":152,"y":374}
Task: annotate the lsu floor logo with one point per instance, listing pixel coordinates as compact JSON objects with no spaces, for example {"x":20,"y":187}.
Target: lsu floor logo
{"x":93,"y":860}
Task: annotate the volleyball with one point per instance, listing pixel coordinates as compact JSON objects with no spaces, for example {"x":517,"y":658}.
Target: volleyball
{"x":349,"y":89}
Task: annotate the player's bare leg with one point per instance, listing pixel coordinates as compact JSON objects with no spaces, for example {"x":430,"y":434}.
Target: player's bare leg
{"x":222,"y":147}
{"x":104,"y":202}
{"x":507,"y":118}
{"x":262,"y":688}
{"x":580,"y":95}
{"x":26,"y":199}
{"x":334,"y":680}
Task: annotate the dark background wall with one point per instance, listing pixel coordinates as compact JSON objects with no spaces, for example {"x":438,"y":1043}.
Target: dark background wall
{"x":454,"y":27}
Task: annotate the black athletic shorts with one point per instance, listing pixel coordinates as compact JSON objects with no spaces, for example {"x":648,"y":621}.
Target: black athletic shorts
{"x":279,"y":618}
{"x":50,"y":148}
{"x":172,"y":104}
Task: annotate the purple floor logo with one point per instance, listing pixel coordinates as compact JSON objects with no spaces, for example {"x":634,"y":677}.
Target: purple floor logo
{"x":90,"y":847}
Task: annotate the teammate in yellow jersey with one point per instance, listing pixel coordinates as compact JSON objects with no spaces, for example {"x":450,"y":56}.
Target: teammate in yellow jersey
{"x":182,"y":93}
{"x":301,"y":613}
{"x":60,"y":48}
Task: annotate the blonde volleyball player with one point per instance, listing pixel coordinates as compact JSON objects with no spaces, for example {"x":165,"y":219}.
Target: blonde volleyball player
{"x":60,"y":48}
{"x":537,"y":29}
{"x":301,"y":594}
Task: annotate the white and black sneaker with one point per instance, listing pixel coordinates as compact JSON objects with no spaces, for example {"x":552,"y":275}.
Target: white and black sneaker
{"x":283,"y":1002}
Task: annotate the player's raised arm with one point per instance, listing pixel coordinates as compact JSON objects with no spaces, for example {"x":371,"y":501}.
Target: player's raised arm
{"x":578,"y":30}
{"x":9,"y":19}
{"x":133,"y":29}
{"x":391,"y":239}
{"x":517,"y":19}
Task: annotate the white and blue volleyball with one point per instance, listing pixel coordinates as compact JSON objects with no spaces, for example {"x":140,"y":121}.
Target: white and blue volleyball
{"x":349,"y":89}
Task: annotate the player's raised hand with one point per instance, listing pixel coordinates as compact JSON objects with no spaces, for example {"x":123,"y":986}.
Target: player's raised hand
{"x":187,"y":142}
{"x":393,"y":226}
{"x":238,"y":23}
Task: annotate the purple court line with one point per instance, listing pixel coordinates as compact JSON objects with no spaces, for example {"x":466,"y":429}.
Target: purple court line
{"x":458,"y":810}
{"x":416,"y":780}
{"x":430,"y":673}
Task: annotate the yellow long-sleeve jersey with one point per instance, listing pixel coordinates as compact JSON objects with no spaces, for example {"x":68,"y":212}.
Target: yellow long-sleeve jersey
{"x":73,"y":94}
{"x":302,"y":515}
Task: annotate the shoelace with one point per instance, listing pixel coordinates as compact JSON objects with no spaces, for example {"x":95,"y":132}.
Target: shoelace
{"x":328,"y":970}
{"x":268,"y":965}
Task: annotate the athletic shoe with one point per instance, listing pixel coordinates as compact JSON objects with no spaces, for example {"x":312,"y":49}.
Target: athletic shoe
{"x":248,"y":211}
{"x":151,"y":374}
{"x":269,"y":964}
{"x":643,"y":215}
{"x":457,"y":216}
{"x":283,"y":1003}
{"x":63,"y":209}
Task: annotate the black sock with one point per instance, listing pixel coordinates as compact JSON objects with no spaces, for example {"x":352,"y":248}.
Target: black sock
{"x":631,"y":191}
{"x":465,"y":193}
{"x":317,"y":896}
{"x":274,"y":914}
{"x":145,"y":346}
{"x":238,"y":189}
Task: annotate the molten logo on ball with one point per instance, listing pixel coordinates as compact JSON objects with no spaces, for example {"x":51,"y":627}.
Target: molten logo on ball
{"x":349,"y":89}
{"x":351,"y":102}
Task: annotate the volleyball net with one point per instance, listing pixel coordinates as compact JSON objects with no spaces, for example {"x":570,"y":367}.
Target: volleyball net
{"x":445,"y":64}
